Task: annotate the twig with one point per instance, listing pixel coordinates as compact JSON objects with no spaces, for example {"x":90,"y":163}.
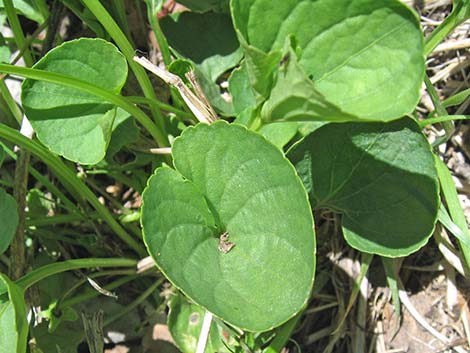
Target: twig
{"x":417,"y":316}
{"x":206,"y":326}
{"x":453,"y":66}
{"x":465,"y":324}
{"x":449,"y":252}
{"x":145,"y":264}
{"x":203,"y":112}
{"x":17,"y":249}
{"x":93,"y":326}
{"x":452,"y":45}
{"x":359,"y":339}
{"x":161,"y":150}
{"x":101,"y":290}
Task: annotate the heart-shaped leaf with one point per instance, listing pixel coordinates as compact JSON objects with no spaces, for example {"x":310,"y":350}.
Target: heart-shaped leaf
{"x":364,"y":56}
{"x":185,"y":324}
{"x":232,"y":227}
{"x":13,"y":322}
{"x":380,"y":176}
{"x":70,"y":122}
{"x":8,"y":219}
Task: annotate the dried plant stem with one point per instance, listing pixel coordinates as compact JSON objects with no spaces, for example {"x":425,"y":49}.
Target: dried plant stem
{"x":417,"y":316}
{"x":17,"y":249}
{"x":196,"y":102}
{"x":161,"y":150}
{"x":206,"y":326}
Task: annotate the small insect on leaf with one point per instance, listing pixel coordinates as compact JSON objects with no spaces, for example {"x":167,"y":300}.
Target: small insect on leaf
{"x":224,"y":245}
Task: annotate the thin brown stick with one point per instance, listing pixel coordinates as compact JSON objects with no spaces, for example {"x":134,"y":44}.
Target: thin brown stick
{"x":17,"y":248}
{"x":202,"y":111}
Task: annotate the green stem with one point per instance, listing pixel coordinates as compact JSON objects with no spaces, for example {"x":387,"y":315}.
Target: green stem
{"x":126,"y":48}
{"x":438,"y":106}
{"x":119,"y":10}
{"x":12,"y":106}
{"x":283,"y":334}
{"x":442,"y":119}
{"x":49,"y":270}
{"x":391,"y":267}
{"x":440,"y":110}
{"x":457,"y":99}
{"x":43,"y":180}
{"x":68,"y":177}
{"x":43,"y":8}
{"x":59,"y":219}
{"x":17,"y":31}
{"x":161,"y":40}
{"x":161,"y":105}
{"x":457,"y":16}
{"x":111,"y":97}
{"x":453,"y":204}
{"x":84,"y":280}
{"x":134,"y":304}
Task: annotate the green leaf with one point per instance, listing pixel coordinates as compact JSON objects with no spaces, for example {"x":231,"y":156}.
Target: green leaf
{"x":380,"y":176}
{"x":295,"y":98}
{"x":72,"y":123}
{"x":125,"y":132}
{"x":456,"y":99}
{"x":240,"y":89}
{"x":261,"y":68}
{"x":185,"y":324}
{"x":455,"y":208}
{"x":38,"y":204}
{"x":8,"y":220}
{"x":84,"y":14}
{"x":13,"y":322}
{"x":279,"y":134}
{"x":26,"y":8}
{"x":214,"y":49}
{"x":213,"y":94}
{"x":229,"y":179}
{"x":65,"y":339}
{"x":364,"y":56}
{"x":2,"y":155}
{"x":206,"y":5}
